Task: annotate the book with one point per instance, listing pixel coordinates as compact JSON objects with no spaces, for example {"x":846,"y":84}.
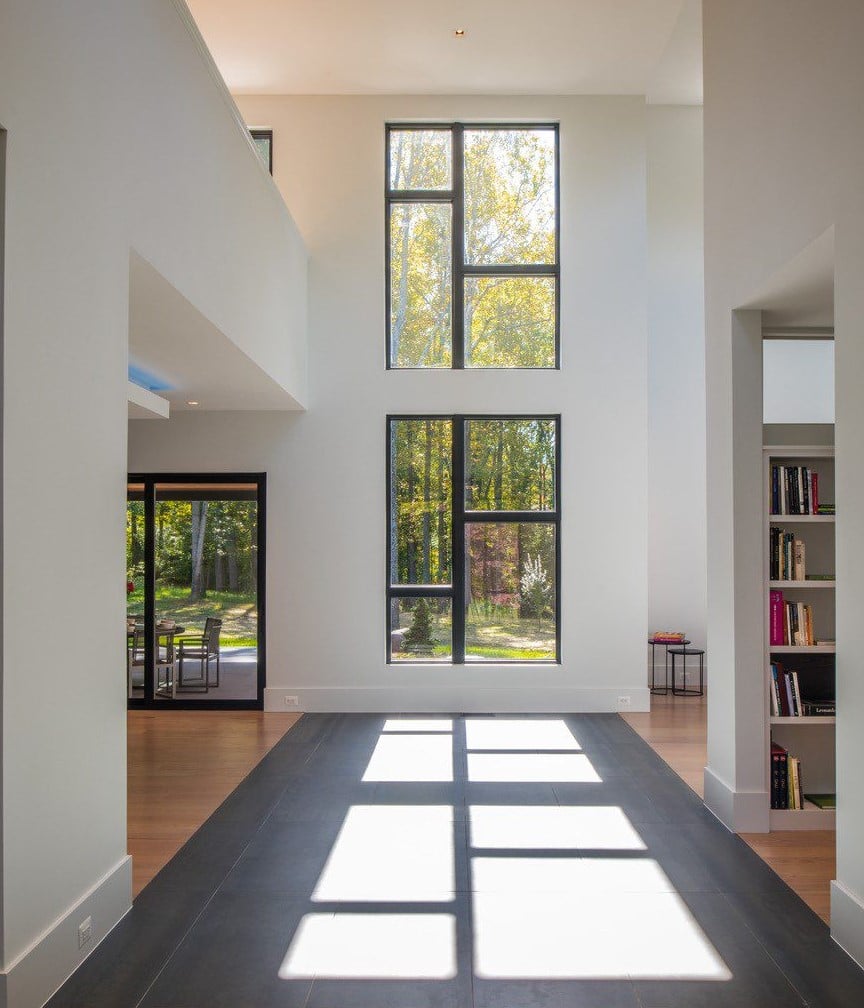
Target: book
{"x":776,"y":621}
{"x":823,"y":801}
{"x":800,"y":555}
{"x":779,"y":777}
{"x":812,"y":709}
{"x":820,"y":577}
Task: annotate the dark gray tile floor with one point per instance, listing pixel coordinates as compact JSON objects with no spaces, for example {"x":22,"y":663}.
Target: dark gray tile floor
{"x":465,"y":862}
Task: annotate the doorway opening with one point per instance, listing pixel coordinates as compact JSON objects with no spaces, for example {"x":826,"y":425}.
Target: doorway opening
{"x":195,"y":590}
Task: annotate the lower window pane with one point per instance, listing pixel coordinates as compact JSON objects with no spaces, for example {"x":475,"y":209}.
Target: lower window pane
{"x":421,"y":629}
{"x":510,"y":591}
{"x":510,"y":322}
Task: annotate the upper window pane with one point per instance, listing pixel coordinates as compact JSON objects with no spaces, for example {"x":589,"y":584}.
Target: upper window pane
{"x":510,"y":465}
{"x":509,"y":196}
{"x":420,"y":511}
{"x":420,"y":287}
{"x":421,"y":159}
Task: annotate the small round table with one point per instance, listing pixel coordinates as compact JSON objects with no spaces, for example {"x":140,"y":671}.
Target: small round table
{"x":654,"y":688}
{"x":684,"y":689}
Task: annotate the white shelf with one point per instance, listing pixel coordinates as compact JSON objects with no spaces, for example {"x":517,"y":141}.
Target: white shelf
{"x":802,"y":648}
{"x":818,"y":720}
{"x":808,"y":818}
{"x":792,"y":519}
{"x":802,"y":585}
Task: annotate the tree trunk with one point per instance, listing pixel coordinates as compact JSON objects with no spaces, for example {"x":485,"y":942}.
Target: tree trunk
{"x":233,"y":575}
{"x":199,"y":530}
{"x":427,"y":502}
{"x":219,"y":572}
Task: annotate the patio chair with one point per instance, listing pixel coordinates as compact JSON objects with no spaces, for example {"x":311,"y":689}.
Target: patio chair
{"x":201,"y":650}
{"x":165,"y":684}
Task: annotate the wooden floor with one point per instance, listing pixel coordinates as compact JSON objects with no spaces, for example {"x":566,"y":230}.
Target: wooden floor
{"x":181,"y":766}
{"x":677,"y":730}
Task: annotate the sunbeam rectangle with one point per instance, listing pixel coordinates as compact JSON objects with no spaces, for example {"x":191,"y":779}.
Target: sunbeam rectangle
{"x":391,"y":853}
{"x":550,"y":827}
{"x":531,"y":767}
{"x":368,"y":946}
{"x":595,"y":935}
{"x":519,"y":733}
{"x":411,"y":758}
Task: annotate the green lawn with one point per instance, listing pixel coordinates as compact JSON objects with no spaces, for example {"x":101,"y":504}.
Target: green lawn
{"x":237,"y":610}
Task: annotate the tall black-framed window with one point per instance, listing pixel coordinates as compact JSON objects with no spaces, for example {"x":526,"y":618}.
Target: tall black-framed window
{"x":472,"y":245}
{"x":263,"y":142}
{"x":473,"y":538}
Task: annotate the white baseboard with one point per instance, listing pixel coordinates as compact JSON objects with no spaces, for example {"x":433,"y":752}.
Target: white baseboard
{"x":739,"y":811}
{"x":847,"y":922}
{"x":449,"y":699}
{"x":31,"y":979}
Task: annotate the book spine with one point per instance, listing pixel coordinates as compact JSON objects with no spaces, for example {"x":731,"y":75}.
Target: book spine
{"x":784,"y":490}
{"x":787,"y":686}
{"x":775,"y":695}
{"x":796,"y":695}
{"x":776,"y":608}
{"x":805,"y":482}
{"x":800,"y":553}
{"x":815,"y":493}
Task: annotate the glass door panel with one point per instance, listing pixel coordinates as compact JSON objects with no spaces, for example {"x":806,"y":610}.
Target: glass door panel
{"x":206,"y":590}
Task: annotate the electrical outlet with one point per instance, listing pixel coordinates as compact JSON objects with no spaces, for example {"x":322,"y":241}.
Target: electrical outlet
{"x":85,"y":931}
{"x":623,"y":701}
{"x":292,"y":701}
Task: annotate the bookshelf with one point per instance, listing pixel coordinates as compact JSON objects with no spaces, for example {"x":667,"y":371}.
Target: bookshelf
{"x":808,"y":538}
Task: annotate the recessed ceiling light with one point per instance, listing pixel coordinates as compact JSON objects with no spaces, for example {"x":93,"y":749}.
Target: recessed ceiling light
{"x":459,"y":32}
{"x":192,"y":402}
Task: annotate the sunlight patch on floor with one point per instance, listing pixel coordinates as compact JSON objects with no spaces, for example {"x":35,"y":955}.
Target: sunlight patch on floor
{"x":592,"y":935}
{"x":391,"y":853}
{"x":372,"y":946}
{"x":411,"y":758}
{"x":531,"y":768}
{"x":515,"y":733}
{"x":552,"y":827}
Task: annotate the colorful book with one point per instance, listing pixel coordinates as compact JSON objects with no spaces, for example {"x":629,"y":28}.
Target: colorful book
{"x":776,"y":612}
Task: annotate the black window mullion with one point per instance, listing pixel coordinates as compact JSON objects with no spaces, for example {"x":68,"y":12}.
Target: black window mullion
{"x":458,"y":539}
{"x":458,"y":236}
{"x":149,"y":589}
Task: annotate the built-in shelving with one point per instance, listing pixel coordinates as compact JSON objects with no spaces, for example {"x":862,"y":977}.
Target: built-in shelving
{"x":810,"y":739}
{"x":798,"y":519}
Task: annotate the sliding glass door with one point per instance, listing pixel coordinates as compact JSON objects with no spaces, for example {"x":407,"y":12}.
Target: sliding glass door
{"x":195,"y":590}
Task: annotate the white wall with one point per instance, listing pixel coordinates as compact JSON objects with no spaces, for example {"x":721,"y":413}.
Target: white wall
{"x":784,"y":156}
{"x":677,"y":577}
{"x":119,"y":138}
{"x":327,"y":468}
{"x":798,"y":381}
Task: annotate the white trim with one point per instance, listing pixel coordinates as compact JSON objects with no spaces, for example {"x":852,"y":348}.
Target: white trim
{"x":847,"y":922}
{"x":739,"y":811}
{"x":33,"y":976}
{"x":447,"y":699}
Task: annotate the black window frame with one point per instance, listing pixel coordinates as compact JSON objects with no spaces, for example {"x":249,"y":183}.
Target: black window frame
{"x":264,"y":134}
{"x":149,"y":482}
{"x":455,"y":197}
{"x":460,"y":517}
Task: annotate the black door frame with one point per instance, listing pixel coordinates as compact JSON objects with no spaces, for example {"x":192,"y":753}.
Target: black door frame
{"x":149,"y":481}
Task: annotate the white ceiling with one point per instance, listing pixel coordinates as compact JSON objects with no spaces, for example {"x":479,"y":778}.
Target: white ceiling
{"x":650,"y":47}
{"x":170,"y":339}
